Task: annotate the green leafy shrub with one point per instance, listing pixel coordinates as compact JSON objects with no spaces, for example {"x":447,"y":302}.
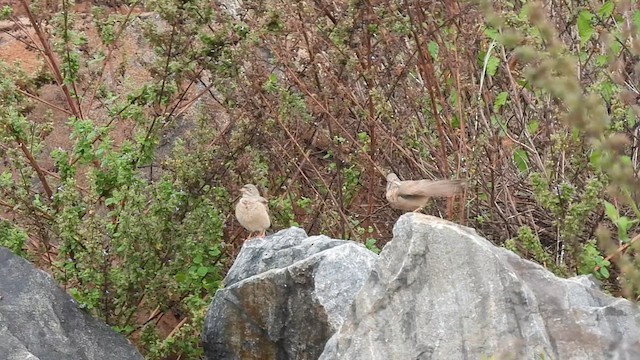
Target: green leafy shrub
{"x":592,"y":262}
{"x":12,"y":238}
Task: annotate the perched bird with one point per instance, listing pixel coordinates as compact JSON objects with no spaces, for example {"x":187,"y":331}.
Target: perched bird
{"x":252,"y":211}
{"x":413,"y":195}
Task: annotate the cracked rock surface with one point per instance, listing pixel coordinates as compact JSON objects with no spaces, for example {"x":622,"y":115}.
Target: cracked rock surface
{"x":440,"y":291}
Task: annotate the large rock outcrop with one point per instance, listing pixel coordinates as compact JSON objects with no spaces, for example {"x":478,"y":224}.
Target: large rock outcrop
{"x":38,"y":320}
{"x":440,"y":291}
{"x":284,"y":296}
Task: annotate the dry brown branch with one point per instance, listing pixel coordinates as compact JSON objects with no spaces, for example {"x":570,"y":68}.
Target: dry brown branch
{"x":51,"y":60}
{"x":618,"y":251}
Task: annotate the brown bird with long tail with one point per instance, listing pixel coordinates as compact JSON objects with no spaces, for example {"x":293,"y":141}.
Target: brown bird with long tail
{"x":413,"y":195}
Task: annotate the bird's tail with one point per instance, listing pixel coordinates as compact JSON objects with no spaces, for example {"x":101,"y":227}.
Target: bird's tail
{"x":445,"y":187}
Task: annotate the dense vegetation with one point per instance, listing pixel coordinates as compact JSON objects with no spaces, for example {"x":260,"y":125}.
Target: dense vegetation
{"x":124,"y":190}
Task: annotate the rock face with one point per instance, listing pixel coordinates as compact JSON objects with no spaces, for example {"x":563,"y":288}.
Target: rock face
{"x":38,"y":320}
{"x":284,"y":296}
{"x":440,"y":291}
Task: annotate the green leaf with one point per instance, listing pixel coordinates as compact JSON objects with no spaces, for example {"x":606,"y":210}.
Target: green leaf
{"x":271,"y":84}
{"x":214,"y":252}
{"x":610,"y":211}
{"x":607,"y":90}
{"x":433,"y":49}
{"x":6,"y":179}
{"x":616,"y":47}
{"x":202,"y":271}
{"x":500,"y":101}
{"x":626,"y":160}
{"x":630,"y":117}
{"x":623,"y":236}
{"x":585,"y":30}
{"x":604,"y":272}
{"x":453,"y":98}
{"x":624,"y":224}
{"x":492,"y":65}
{"x":595,"y":158}
{"x":521,"y":159}
{"x":6,"y":12}
{"x":532,"y":127}
{"x":181,"y":277}
{"x":635,"y":18}
{"x":606,"y":9}
{"x":630,"y":222}
{"x":491,"y":33}
{"x":455,"y":122}
{"x":602,"y":60}
{"x":371,"y":245}
{"x":576,"y":134}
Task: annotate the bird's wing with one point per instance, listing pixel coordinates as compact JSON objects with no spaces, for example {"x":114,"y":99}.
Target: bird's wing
{"x":264,"y":202}
{"x":410,"y":188}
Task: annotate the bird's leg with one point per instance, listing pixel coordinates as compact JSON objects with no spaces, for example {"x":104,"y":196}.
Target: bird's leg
{"x":419,"y":209}
{"x":262,"y":234}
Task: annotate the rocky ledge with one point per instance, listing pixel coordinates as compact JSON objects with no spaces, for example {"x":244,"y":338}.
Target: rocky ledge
{"x":39,"y":320}
{"x":436,"y":291}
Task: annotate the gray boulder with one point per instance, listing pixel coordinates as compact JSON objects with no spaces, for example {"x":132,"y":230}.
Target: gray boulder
{"x":440,"y":291}
{"x":39,"y":321}
{"x":284,"y":296}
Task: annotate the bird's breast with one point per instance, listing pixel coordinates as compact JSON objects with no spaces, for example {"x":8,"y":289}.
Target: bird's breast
{"x":253,"y":215}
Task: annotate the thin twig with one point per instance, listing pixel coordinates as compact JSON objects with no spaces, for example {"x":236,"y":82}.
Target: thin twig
{"x":618,"y":251}
{"x":51,"y":60}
